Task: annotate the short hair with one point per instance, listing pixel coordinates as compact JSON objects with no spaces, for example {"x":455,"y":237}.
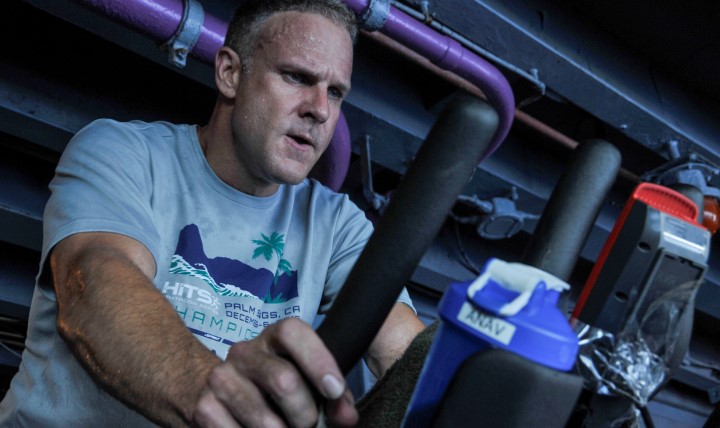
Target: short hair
{"x":251,"y":14}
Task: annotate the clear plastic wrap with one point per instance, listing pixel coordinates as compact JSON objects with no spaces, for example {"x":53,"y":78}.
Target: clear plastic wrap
{"x":636,"y":361}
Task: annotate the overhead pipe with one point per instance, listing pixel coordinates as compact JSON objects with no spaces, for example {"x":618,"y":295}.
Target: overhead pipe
{"x":333,"y":166}
{"x":159,"y":19}
{"x":522,"y":119}
{"x":464,"y":84}
{"x":444,"y":52}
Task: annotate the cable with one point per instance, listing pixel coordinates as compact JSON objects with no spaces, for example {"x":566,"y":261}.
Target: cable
{"x":647,"y":419}
{"x":465,"y":259}
{"x":473,"y":219}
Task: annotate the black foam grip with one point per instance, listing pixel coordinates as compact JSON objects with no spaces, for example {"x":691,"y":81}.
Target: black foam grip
{"x":496,"y":388}
{"x":411,"y":221}
{"x":573,"y":206}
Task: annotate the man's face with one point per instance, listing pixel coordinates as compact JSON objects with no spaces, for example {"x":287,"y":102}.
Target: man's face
{"x":288,"y":103}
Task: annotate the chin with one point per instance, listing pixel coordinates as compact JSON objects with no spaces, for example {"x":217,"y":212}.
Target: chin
{"x":295,"y":181}
{"x":294,"y":173}
{"x":290,"y":179}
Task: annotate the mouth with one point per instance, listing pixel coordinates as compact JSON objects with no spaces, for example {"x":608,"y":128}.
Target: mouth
{"x":304,"y":141}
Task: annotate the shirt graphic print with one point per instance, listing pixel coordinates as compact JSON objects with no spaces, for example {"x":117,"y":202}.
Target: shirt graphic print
{"x":223,"y":300}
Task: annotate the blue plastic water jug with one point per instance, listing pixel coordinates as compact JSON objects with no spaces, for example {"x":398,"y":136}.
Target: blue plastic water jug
{"x":510,"y":306}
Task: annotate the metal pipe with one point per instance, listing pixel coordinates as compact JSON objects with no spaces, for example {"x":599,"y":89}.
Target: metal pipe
{"x":450,"y":55}
{"x":469,"y":44}
{"x":464,"y":84}
{"x":159,"y":19}
{"x":521,"y":118}
{"x":333,"y":165}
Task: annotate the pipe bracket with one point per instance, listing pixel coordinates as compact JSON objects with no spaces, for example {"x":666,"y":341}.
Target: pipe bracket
{"x":375,"y":15}
{"x":187,"y":33}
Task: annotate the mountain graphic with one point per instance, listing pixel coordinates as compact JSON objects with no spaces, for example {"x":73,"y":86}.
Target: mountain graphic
{"x":229,"y":277}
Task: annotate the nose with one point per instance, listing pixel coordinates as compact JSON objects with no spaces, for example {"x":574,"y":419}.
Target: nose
{"x":316,"y":105}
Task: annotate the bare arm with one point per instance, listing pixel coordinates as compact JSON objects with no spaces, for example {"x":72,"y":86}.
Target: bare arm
{"x":130,"y":339}
{"x":399,"y":329}
{"x":122,"y":330}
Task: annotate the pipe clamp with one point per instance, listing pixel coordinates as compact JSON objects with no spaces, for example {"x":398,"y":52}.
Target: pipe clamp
{"x":187,"y":33}
{"x":375,"y":15}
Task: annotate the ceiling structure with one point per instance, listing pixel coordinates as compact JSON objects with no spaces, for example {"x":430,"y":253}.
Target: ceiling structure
{"x":637,"y":74}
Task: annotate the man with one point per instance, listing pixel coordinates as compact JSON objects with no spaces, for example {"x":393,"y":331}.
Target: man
{"x":167,"y":244}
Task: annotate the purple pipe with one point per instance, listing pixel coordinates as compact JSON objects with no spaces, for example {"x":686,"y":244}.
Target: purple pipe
{"x":333,"y":166}
{"x":159,"y":19}
{"x":448,"y":54}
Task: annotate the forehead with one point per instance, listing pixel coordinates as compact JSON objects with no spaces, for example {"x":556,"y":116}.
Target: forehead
{"x":308,"y":38}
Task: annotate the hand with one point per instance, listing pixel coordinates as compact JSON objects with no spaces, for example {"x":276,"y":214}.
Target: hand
{"x":269,"y":382}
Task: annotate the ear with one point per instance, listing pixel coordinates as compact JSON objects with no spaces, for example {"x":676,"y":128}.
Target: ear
{"x":227,"y":71}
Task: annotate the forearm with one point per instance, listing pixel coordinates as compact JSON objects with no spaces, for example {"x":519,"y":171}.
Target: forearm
{"x":130,"y":339}
{"x":399,"y":329}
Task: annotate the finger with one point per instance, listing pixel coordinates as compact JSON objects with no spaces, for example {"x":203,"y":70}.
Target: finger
{"x":241,"y":397}
{"x":342,"y":412}
{"x":210,"y":413}
{"x":308,"y":351}
{"x":285,"y":385}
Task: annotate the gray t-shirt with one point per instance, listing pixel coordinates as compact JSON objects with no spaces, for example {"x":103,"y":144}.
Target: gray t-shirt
{"x":229,"y":263}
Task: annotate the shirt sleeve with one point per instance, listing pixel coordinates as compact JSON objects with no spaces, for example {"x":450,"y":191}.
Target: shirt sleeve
{"x":352,"y":232}
{"x":103,"y":183}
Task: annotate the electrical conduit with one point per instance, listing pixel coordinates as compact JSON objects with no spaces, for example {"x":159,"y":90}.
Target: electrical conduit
{"x":449,"y":55}
{"x":159,"y":19}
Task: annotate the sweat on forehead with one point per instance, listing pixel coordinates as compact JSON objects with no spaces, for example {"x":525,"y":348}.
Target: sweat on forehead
{"x":252,"y":14}
{"x":289,"y":30}
{"x":304,"y":43}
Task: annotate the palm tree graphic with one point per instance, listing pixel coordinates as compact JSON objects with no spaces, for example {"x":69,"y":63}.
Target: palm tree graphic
{"x":269,"y":245}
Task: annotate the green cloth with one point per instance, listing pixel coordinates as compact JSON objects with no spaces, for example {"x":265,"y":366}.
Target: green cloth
{"x":385,"y":404}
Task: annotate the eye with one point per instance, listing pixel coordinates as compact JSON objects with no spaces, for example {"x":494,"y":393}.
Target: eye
{"x":296,"y":77}
{"x":335,"y":94}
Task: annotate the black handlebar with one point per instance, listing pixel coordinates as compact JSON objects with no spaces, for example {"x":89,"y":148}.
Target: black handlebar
{"x":572,"y":208}
{"x":414,"y":216}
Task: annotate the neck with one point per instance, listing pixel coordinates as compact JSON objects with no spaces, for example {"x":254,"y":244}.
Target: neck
{"x":216,"y":142}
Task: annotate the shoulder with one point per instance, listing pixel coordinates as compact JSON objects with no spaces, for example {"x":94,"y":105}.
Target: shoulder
{"x":108,"y":129}
{"x":337,"y":206}
{"x":114,"y":139}
{"x":318,"y":194}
